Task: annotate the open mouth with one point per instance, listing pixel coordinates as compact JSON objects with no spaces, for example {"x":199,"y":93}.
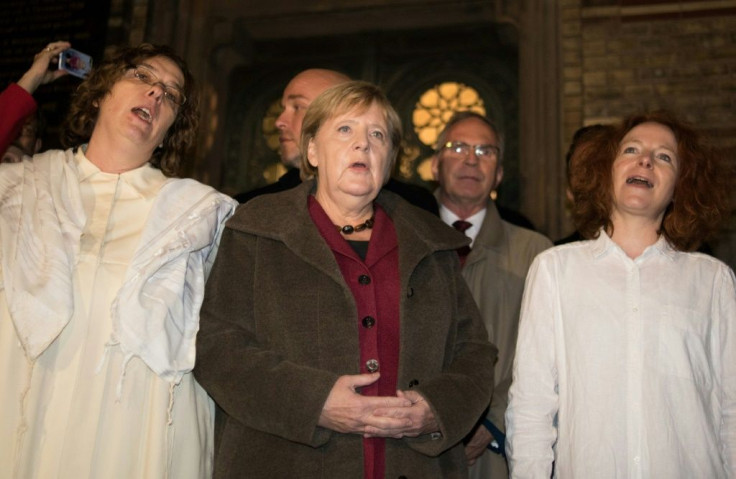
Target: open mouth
{"x":638,"y":180}
{"x":143,"y":113}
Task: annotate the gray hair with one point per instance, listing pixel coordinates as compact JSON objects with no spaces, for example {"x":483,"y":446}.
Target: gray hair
{"x":460,"y":116}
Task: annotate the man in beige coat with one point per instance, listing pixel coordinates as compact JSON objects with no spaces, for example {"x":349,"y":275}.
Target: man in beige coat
{"x":468,"y":167}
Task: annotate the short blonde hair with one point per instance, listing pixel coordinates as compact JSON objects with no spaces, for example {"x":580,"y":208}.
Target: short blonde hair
{"x":340,"y":99}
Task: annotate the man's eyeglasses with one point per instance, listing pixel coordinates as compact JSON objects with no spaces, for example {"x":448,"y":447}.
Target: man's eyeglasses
{"x":481,"y":151}
{"x":144,"y":75}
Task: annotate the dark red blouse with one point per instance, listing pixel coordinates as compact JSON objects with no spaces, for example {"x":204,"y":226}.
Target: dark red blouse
{"x":374,"y":283}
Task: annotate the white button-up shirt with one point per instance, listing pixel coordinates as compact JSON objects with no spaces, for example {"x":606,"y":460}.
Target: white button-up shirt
{"x":476,"y":221}
{"x":624,"y":368}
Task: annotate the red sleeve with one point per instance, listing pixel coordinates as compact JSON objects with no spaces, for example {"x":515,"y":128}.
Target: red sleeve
{"x":16,"y":105}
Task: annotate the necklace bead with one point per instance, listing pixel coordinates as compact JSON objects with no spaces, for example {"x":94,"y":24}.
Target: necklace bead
{"x":350,"y":229}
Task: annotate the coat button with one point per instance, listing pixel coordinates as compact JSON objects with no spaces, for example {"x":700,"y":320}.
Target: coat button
{"x":413,"y":382}
{"x":410,"y":292}
{"x":368,"y":322}
{"x":364,"y":279}
{"x":371,"y":365}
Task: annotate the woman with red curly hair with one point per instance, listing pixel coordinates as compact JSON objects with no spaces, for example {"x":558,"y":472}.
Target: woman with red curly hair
{"x":626,"y":357}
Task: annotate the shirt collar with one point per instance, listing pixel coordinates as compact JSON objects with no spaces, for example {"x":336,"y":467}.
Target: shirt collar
{"x":476,"y":220}
{"x":146,"y":180}
{"x":604,"y":244}
{"x":663,"y":247}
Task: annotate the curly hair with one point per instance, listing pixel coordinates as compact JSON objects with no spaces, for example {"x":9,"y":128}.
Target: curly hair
{"x":701,"y":198}
{"x":84,"y":109}
{"x":340,"y":99}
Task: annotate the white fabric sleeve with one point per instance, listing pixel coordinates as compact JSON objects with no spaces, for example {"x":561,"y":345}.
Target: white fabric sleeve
{"x":533,"y":397}
{"x":726,"y":314}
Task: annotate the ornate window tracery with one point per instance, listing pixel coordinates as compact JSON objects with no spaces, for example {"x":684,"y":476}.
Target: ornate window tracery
{"x":431,"y":113}
{"x":437,"y":105}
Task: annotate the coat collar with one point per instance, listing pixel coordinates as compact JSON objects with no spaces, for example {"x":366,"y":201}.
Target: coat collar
{"x":490,"y":236}
{"x":491,"y":231}
{"x":284,"y":217}
{"x":419,"y":233}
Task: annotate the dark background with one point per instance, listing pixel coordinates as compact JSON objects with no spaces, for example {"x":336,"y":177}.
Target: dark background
{"x":26,"y":27}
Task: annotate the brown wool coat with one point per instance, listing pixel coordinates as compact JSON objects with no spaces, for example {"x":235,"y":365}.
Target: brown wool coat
{"x":279,"y":326}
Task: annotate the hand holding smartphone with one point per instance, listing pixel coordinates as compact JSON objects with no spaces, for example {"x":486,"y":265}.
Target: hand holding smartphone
{"x":75,"y":62}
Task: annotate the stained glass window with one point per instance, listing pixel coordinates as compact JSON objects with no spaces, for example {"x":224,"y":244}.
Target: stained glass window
{"x":437,"y":105}
{"x":432,"y":112}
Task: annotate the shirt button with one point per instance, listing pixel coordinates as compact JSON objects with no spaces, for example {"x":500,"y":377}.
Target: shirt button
{"x":410,"y":292}
{"x":636,"y":309}
{"x":368,"y":322}
{"x":636,"y":460}
{"x":364,"y":279}
{"x":371,"y":365}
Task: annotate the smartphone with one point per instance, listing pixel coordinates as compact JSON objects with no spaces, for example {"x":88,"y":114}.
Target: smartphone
{"x":75,"y":62}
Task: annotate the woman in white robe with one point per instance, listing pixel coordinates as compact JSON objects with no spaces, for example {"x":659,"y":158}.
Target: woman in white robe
{"x":104,"y":256}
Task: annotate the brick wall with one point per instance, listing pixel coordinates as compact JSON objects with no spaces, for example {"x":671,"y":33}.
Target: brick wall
{"x":617,"y":60}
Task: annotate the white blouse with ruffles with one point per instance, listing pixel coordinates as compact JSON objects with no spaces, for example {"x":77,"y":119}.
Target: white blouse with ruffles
{"x":85,"y":407}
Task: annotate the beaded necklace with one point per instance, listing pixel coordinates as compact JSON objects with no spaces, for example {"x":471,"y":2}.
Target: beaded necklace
{"x":350,"y":229}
